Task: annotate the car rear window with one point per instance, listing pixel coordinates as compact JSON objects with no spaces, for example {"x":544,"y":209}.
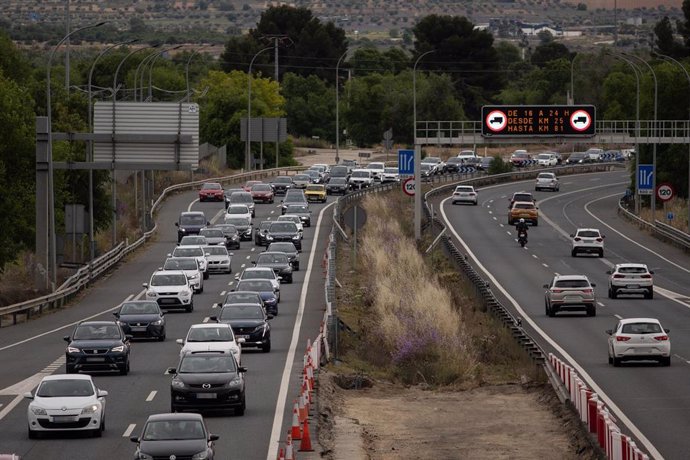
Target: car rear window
{"x":524,"y":206}
{"x":632,"y":270}
{"x":641,"y":328}
{"x":588,"y":234}
{"x":572,"y":284}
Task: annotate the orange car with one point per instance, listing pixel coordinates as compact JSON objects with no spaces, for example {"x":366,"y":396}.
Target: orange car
{"x":523,"y":210}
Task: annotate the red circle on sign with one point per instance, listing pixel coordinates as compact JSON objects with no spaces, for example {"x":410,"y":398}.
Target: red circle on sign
{"x":496,"y":121}
{"x":665,"y":191}
{"x":411,"y":190}
{"x":577,"y":123}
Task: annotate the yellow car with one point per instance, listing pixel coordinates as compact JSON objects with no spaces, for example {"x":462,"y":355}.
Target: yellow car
{"x":523,"y":210}
{"x":316,"y":192}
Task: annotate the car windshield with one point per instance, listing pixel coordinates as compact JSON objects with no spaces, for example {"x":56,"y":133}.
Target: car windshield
{"x":198,"y":364}
{"x":193,"y":241}
{"x":572,"y":284}
{"x":632,"y":270}
{"x":523,"y":206}
{"x":283,"y":227}
{"x":283,"y":180}
{"x":237,"y":221}
{"x":188,"y":252}
{"x":173,"y":430}
{"x":301,"y":177}
{"x":244,"y":296}
{"x":641,"y":328}
{"x":261,"y":188}
{"x":426,"y":166}
{"x":97,"y":332}
{"x":255,"y":285}
{"x":545,"y":176}
{"x":338,"y":181}
{"x":544,"y":156}
{"x":139,"y":308}
{"x":242,"y":312}
{"x":211,"y":233}
{"x":522,"y":197}
{"x":211,"y":186}
{"x":238,"y":210}
{"x":65,"y":387}
{"x":360,"y":173}
{"x":391,"y":170}
{"x":376,"y":166}
{"x":258,"y":275}
{"x":464,"y":189}
{"x":578,"y":155}
{"x":227,"y":229}
{"x":588,"y":234}
{"x":520,"y":155}
{"x":282,"y":247}
{"x":192,"y":220}
{"x":272,"y":259}
{"x":296,"y":209}
{"x":241,"y":197}
{"x":295,"y":199}
{"x":216,"y":250}
{"x":168,"y":280}
{"x":210,"y":334}
{"x":294,"y":219}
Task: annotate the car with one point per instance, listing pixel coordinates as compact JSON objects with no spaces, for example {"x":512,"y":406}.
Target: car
{"x":390,"y":175}
{"x":614,"y":155}
{"x":326,"y":169}
{"x":316,"y":176}
{"x":210,"y":337}
{"x":190,"y":267}
{"x":284,"y":231}
{"x":214,"y":236}
{"x":361,"y":178}
{"x":170,"y":289}
{"x":175,"y":436}
{"x":438,"y":165}
{"x":279,"y":262}
{"x":261,"y":273}
{"x":639,"y":339}
{"x":242,"y":198}
{"x":464,"y":194}
{"x":453,"y":164}
{"x":242,"y":224}
{"x":300,"y":181}
{"x":315,"y":192}
{"x":141,"y":318}
{"x":631,"y":278}
{"x":227,"y":193}
{"x":547,"y":181}
{"x":547,"y":159}
{"x":263,"y":193}
{"x":249,"y":322}
{"x":427,"y":170}
{"x":193,"y":240}
{"x":337,"y":185}
{"x":247,"y":187}
{"x":190,"y":223}
{"x":570,"y":293}
{"x":97,"y":346}
{"x":578,"y":158}
{"x":219,"y":259}
{"x":595,"y":155}
{"x":300,"y":210}
{"x":293,"y":197}
{"x":289,"y":249}
{"x":588,"y":241}
{"x":265,"y":290}
{"x":485,"y":163}
{"x":281,"y":184}
{"x":232,"y":235}
{"x":523,"y":210}
{"x":376,"y":168}
{"x":211,"y":191}
{"x":235,"y":296}
{"x":192,"y":251}
{"x":352,"y":164}
{"x":339,"y":171}
{"x":66,"y":403}
{"x":292,"y":218}
{"x":521,"y":196}
{"x":239,"y":210}
{"x":260,"y":233}
{"x":466,"y":154}
{"x":520,"y":158}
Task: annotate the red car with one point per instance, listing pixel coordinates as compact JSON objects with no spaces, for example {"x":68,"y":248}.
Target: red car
{"x":249,"y":184}
{"x":262,"y":193}
{"x":211,"y":191}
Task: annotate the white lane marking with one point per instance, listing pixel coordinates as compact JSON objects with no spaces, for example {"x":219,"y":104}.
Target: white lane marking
{"x":248,"y":257}
{"x":243,"y":265}
{"x":230,"y":283}
{"x":215,"y":305}
{"x":128,"y":431}
{"x":580,"y":370}
{"x":189,"y":208}
{"x":205,"y":320}
{"x":12,"y":345}
{"x":508,"y":232}
{"x":535,"y":256}
{"x":600,"y":304}
{"x":491,"y":212}
{"x":218,"y":215}
{"x":151,"y":395}
{"x":501,"y":225}
{"x":222,"y":293}
{"x":251,"y":250}
{"x":287,"y":370}
{"x":545,"y":265}
{"x":618,"y":317}
{"x":495,"y":218}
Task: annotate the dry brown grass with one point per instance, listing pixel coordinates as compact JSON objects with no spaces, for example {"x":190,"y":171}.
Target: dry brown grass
{"x":677,"y":206}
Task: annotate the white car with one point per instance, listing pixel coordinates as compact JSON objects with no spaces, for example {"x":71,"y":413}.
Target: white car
{"x":376,"y":168}
{"x":547,"y":159}
{"x":595,"y":155}
{"x":361,"y":178}
{"x":68,"y":402}
{"x":219,"y":259}
{"x":292,"y":218}
{"x":190,"y":267}
{"x":261,"y":273}
{"x":211,"y":337}
{"x":467,"y":154}
{"x":631,"y":279}
{"x":170,"y":289}
{"x":637,"y":339}
{"x":390,"y":175}
{"x":439,"y":167}
{"x":238,"y":210}
{"x":587,"y":240}
{"x":192,"y":251}
{"x":547,"y":181}
{"x":464,"y":194}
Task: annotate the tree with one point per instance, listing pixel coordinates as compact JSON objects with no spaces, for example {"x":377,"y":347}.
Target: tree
{"x":310,"y":106}
{"x":684,"y":26}
{"x":549,"y":51}
{"x":368,"y":59}
{"x":665,"y":42}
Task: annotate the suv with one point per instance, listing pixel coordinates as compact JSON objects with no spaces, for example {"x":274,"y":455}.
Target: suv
{"x":339,"y":171}
{"x":376,"y":168}
{"x":284,"y":231}
{"x":97,"y":346}
{"x":207,"y":380}
{"x":170,"y":289}
{"x":464,"y":194}
{"x":570,"y":293}
{"x":631,"y":279}
{"x":190,"y":267}
{"x":521,"y":196}
{"x":248,"y":322}
{"x":547,"y":181}
{"x":242,"y":198}
{"x":523,"y":210}
{"x":189,"y":223}
{"x":587,"y":240}
{"x":361,"y":178}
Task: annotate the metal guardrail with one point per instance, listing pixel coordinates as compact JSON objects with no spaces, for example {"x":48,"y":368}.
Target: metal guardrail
{"x":97,"y":267}
{"x":659,"y":229}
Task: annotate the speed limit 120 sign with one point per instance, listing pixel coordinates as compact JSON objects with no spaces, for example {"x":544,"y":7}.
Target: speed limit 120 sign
{"x":408,"y":186}
{"x":665,"y":191}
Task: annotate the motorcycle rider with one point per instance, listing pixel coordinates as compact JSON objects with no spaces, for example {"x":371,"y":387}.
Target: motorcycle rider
{"x":521,"y":227}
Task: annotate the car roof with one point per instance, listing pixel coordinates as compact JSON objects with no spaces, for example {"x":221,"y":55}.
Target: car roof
{"x":588,"y":229}
{"x":169,"y":272}
{"x":175,"y":416}
{"x":98,"y":323}
{"x":209,"y":325}
{"x":192,"y":213}
{"x":571,"y":277}
{"x":639,"y":320}
{"x":68,"y":377}
{"x":631,"y":265}
{"x":254,"y":269}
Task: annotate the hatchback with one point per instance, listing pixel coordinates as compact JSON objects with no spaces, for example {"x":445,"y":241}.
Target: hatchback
{"x":570,"y":293}
{"x":175,"y":436}
{"x":547,"y":181}
{"x":587,"y":240}
{"x":464,"y":194}
{"x":637,"y":339}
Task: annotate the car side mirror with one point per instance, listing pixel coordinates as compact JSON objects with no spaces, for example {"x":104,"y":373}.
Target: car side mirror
{"x":213,"y":437}
{"x":102,"y":393}
{"x":651,"y":272}
{"x":163,"y":313}
{"x":116,"y":314}
{"x":603,"y":236}
{"x":145,"y":284}
{"x":608,"y":272}
{"x":28,"y":395}
{"x":242,"y":369}
{"x":134,"y":439}
{"x":180,"y":341}
{"x":208,"y":223}
{"x":169,"y":255}
{"x":593,"y":285}
{"x":172,"y":370}
{"x":67,"y":339}
{"x":177,"y":224}
{"x":214,"y":318}
{"x":667,"y":330}
{"x":609,"y":331}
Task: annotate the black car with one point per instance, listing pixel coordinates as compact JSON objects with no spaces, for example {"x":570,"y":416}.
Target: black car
{"x":97,"y":346}
{"x":248,"y":322}
{"x":243,"y":225}
{"x":279,"y":262}
{"x":337,"y":185}
{"x":181,"y":436}
{"x":141,"y":318}
{"x":284,"y":231}
{"x":578,"y":158}
{"x":453,"y":164}
{"x":207,"y":380}
{"x":232,"y":235}
{"x":485,"y":163}
{"x":300,"y":210}
{"x":265,"y":290}
{"x":281,"y":184}
{"x":260,"y":233}
{"x":235,"y":297}
{"x":292,"y":198}
{"x":340,"y":171}
{"x":189,"y":223}
{"x":289,"y":249}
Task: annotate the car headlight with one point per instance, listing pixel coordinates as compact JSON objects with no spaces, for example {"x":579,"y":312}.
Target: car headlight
{"x":151,"y":294}
{"x":183,"y":230}
{"x":73,"y":350}
{"x":185,"y":293}
{"x":118,"y":349}
{"x":269,"y":237}
{"x":38,"y":410}
{"x":89,"y":409}
{"x":157,"y":323}
{"x":193,"y":276}
{"x":200,"y":456}
{"x":177,"y":383}
{"x":295,"y":237}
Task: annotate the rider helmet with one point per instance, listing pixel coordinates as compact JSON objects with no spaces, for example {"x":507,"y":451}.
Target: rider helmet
{"x":522,"y":221}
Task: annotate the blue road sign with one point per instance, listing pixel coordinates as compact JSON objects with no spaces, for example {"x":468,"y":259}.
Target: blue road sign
{"x":645,"y":179}
{"x":406,"y":162}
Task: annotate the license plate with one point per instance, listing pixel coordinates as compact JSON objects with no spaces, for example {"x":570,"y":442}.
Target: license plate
{"x":571,"y":298}
{"x":167,"y":300}
{"x":206,"y":396}
{"x":64,"y":418}
{"x":242,"y":337}
{"x":138,"y":328}
{"x":95,"y":360}
{"x":632,"y":286}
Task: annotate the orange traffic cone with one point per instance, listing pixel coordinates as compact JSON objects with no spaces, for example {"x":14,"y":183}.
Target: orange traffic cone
{"x":310,"y":372}
{"x":305,"y":382}
{"x":281,"y":454}
{"x":289,"y":453}
{"x":306,"y":396}
{"x":305,"y":443}
{"x":301,"y":409}
{"x":295,"y":432}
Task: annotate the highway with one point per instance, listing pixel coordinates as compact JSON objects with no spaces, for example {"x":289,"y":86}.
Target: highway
{"x":30,"y":350}
{"x":650,"y":402}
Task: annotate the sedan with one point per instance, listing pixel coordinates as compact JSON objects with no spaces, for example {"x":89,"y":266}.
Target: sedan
{"x":337,"y":185}
{"x":243,"y":225}
{"x":66,"y":403}
{"x":249,"y":322}
{"x":301,"y":180}
{"x":281,"y":184}
{"x":547,"y":181}
{"x":142,"y":318}
{"x":264,"y":289}
{"x":219,"y":259}
{"x":232,"y":236}
{"x":289,"y":249}
{"x":631,"y":279}
{"x":175,"y":436}
{"x":210,"y":337}
{"x":97,"y":346}
{"x":213,"y":236}
{"x":211,"y":191}
{"x":637,"y":339}
{"x":238,"y":210}
{"x":260,"y":233}
{"x":570,"y":293}
{"x":301,"y":210}
{"x":261,"y":273}
{"x":279,"y":262}
{"x":263,"y":193}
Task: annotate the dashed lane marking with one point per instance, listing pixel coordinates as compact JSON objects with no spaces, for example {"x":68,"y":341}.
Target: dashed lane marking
{"x":151,"y":395}
{"x":128,"y":431}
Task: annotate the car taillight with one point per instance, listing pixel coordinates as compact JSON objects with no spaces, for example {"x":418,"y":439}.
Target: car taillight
{"x":577,"y":238}
{"x":472,"y":194}
{"x":599,"y":240}
{"x":556,"y":291}
{"x":661,"y":338}
{"x":646,"y":276}
{"x":587,"y":291}
{"x":620,"y":338}
{"x":619,"y":276}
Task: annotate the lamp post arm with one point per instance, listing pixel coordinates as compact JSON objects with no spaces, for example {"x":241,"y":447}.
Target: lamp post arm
{"x":414,"y":95}
{"x":249,"y":106}
{"x":186,"y":68}
{"x":151,"y":64}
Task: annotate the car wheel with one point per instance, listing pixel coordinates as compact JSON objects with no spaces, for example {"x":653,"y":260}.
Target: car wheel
{"x":124,"y":370}
{"x":206,"y":274}
{"x":475,"y":203}
{"x":265,"y":348}
{"x":601,"y":253}
{"x":69,"y":369}
{"x":240,"y":410}
{"x":614,"y":293}
{"x":552,"y":312}
{"x":649,"y":294}
{"x":536,"y":223}
{"x":103,"y":424}
{"x":510,"y":221}
{"x":610,"y":360}
{"x":162,"y":338}
{"x":33,"y":434}
{"x":666,"y":361}
{"x":189,"y":308}
{"x":289,"y":281}
{"x":296,"y":267}
{"x":573,"y":253}
{"x":616,"y":361}
{"x":591,"y":310}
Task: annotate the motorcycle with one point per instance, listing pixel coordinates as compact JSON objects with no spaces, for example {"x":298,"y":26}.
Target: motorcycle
{"x":522,"y":238}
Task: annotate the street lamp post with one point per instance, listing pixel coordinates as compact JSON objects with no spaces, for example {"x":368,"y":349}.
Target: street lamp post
{"x":687,"y":75}
{"x":141,"y":80}
{"x":247,"y":160}
{"x":337,"y":107}
{"x":572,"y":82}
{"x":186,"y":69}
{"x":51,"y":263}
{"x":151,"y":64}
{"x":417,"y":154}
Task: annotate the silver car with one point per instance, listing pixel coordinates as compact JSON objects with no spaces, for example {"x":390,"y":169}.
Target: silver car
{"x":213,"y":236}
{"x":219,"y":259}
{"x":570,"y":293}
{"x":547,"y":181}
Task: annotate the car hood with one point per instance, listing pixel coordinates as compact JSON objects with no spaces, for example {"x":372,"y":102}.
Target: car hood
{"x":96,"y":343}
{"x":186,"y":447}
{"x":267,"y":295}
{"x":215,"y":239}
{"x":244,"y":322}
{"x":139,"y":318}
{"x":262,"y":193}
{"x":208,"y":346}
{"x":276,"y":266}
{"x":201,"y":378}
{"x":70,"y":402}
{"x":192,"y":227}
{"x":218,"y":258}
{"x":283,"y":234}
